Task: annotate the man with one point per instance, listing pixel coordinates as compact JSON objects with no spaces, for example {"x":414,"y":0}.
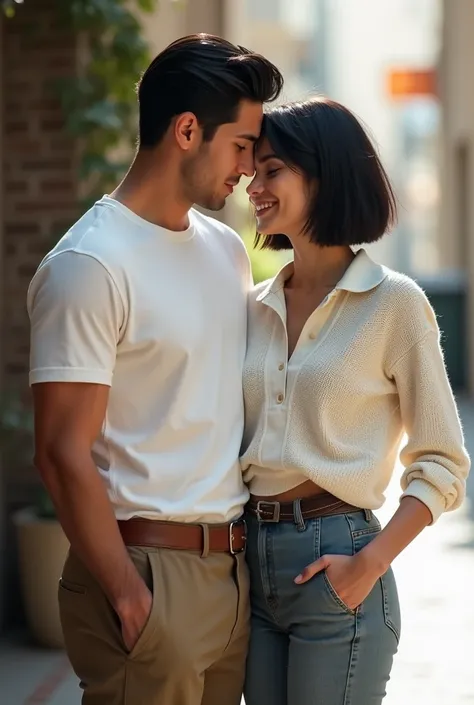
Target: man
{"x":138,"y":332}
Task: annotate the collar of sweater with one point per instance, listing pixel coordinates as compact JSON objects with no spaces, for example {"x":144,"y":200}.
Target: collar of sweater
{"x":363,"y":274}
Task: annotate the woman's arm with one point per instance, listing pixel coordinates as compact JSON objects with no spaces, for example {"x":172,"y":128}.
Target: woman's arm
{"x":434,"y":480}
{"x":353,"y":577}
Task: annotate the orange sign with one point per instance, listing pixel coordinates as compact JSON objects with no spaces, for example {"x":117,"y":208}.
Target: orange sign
{"x":406,"y":83}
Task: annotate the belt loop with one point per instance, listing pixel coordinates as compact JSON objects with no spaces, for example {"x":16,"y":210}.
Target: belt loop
{"x":368,"y":515}
{"x":298,"y":514}
{"x":205,"y":540}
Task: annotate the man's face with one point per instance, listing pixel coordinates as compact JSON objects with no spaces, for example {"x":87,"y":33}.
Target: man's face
{"x":209,"y":176}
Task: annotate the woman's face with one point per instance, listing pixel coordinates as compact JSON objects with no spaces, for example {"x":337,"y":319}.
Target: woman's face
{"x":279,"y":195}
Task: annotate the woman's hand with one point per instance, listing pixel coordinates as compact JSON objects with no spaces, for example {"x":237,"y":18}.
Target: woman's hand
{"x":352,"y":577}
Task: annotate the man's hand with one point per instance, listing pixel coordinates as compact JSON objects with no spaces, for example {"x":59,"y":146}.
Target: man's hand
{"x":134,"y":614}
{"x":68,"y":418}
{"x":352,"y":577}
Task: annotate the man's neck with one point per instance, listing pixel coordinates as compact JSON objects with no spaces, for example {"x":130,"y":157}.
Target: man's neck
{"x":150,"y":190}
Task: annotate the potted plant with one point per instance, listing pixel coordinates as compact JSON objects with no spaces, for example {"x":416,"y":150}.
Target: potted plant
{"x":42,"y":544}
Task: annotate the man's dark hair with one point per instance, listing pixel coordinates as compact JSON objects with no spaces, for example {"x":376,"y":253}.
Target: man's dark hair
{"x":354,"y":202}
{"x":205,"y":75}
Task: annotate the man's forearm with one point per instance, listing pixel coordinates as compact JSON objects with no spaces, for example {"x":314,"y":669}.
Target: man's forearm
{"x":88,"y":520}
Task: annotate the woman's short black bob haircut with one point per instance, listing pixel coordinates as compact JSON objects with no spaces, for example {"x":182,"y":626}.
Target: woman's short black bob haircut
{"x":353,"y":203}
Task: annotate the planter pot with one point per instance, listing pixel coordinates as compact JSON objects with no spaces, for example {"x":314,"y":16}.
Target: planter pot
{"x":42,"y":549}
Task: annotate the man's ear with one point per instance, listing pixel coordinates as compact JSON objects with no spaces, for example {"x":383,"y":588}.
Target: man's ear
{"x":187,"y":132}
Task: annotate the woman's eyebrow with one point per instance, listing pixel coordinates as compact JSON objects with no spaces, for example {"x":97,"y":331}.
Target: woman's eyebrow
{"x":266,"y":158}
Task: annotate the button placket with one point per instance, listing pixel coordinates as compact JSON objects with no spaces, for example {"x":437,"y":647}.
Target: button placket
{"x":276,"y":368}
{"x":310,"y":332}
{"x":318,"y":319}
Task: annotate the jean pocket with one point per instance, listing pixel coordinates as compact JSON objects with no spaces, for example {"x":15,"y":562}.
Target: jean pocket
{"x":391,"y":604}
{"x":364,"y":526}
{"x":340,"y":603}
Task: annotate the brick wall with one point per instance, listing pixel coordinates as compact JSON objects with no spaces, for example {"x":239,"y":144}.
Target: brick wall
{"x":40,"y":190}
{"x":39,"y":198}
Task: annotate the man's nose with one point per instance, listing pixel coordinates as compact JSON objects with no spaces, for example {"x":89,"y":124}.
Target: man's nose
{"x":247,"y":164}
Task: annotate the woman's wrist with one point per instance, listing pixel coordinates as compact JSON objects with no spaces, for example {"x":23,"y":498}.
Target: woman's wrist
{"x":375,"y":561}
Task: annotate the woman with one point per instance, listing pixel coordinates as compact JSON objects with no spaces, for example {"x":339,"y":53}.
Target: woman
{"x":343,"y":359}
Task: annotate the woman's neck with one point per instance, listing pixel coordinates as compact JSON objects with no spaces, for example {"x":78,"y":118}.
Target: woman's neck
{"x":318,"y":267}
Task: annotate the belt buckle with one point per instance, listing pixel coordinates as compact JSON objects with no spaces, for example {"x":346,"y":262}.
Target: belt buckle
{"x":231,"y":536}
{"x":274,"y":508}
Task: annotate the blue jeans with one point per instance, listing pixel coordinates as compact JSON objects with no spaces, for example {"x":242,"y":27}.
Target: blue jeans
{"x":306,"y":646}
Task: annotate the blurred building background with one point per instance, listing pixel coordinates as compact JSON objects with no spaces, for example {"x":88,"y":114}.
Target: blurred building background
{"x":455,"y":241}
{"x":404,"y":66}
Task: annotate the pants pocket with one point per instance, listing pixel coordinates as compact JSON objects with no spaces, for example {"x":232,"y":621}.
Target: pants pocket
{"x":391,"y":605}
{"x":333,"y":536}
{"x":152,"y":579}
{"x":342,"y":605}
{"x":69,"y":586}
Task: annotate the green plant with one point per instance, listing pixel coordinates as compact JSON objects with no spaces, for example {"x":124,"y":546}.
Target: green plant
{"x":17,"y":445}
{"x":8,"y":6}
{"x":99,"y":103}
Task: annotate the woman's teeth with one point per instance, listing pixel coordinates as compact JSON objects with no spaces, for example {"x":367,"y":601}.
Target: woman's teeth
{"x":262,"y":207}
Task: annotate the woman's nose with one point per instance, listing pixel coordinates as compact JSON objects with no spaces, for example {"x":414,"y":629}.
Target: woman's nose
{"x":254,"y":188}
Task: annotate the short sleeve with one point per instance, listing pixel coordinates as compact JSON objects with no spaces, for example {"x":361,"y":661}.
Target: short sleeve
{"x":76,"y":317}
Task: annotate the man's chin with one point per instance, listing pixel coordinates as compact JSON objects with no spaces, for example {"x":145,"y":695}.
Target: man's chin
{"x":212,"y":204}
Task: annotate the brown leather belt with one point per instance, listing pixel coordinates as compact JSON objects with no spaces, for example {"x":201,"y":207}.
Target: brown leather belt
{"x":224,"y":538}
{"x":324,"y":504}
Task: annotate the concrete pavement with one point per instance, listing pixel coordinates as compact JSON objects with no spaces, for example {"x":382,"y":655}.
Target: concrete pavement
{"x":435,"y":575}
{"x":435,"y":663}
{"x":32,"y":676}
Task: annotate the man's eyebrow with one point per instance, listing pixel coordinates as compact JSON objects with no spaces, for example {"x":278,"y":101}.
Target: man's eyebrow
{"x":248,"y":136}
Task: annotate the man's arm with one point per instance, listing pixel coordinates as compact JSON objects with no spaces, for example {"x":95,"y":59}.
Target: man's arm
{"x":68,"y":418}
{"x":77,"y":317}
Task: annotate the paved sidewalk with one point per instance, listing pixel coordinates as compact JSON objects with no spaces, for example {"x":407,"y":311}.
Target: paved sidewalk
{"x":435,"y":663}
{"x":435,"y":575}
{"x":32,"y":676}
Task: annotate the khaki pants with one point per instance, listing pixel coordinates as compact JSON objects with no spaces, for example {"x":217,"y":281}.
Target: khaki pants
{"x":193,"y":648}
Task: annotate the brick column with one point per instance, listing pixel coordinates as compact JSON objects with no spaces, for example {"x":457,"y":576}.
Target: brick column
{"x":39,"y":197}
{"x":39,"y":164}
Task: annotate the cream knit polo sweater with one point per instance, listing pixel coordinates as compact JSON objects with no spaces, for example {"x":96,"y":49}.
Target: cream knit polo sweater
{"x":367,"y":369}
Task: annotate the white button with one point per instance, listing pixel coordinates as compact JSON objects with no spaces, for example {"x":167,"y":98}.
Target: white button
{"x":281,"y":366}
{"x":312,"y":336}
{"x":280,"y":398}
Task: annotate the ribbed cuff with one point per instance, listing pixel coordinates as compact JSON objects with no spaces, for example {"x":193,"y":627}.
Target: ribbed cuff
{"x":429,"y":495}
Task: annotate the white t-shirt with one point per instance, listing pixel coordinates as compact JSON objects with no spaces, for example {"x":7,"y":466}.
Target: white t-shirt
{"x":160,"y":317}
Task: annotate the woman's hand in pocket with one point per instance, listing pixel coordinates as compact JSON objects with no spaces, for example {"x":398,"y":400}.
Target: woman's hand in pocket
{"x":352,"y":577}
